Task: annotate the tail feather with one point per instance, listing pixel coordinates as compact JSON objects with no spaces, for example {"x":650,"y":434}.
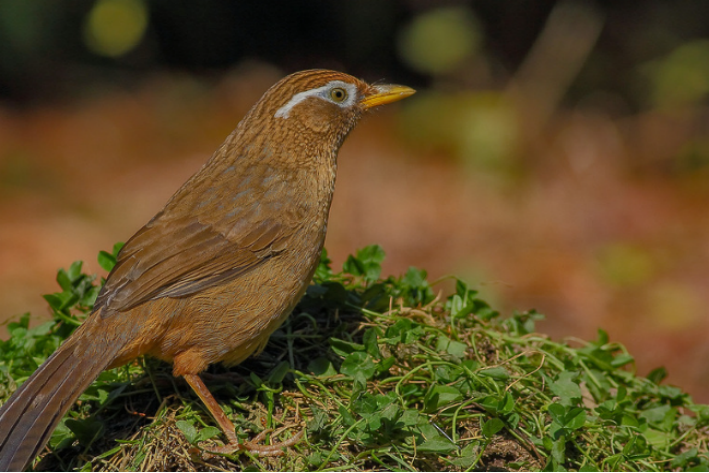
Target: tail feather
{"x":18,"y":403}
{"x":28,"y":418}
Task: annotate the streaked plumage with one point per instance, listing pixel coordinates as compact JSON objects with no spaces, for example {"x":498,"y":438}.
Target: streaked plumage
{"x":216,"y":271}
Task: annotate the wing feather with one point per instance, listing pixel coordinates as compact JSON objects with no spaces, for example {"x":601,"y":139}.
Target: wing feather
{"x":176,"y":258}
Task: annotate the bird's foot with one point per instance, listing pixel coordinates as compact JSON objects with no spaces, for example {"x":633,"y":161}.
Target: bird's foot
{"x":233,"y":445}
{"x":254,"y":445}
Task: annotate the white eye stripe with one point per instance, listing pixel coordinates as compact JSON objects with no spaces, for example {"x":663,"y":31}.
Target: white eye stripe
{"x":320,"y":92}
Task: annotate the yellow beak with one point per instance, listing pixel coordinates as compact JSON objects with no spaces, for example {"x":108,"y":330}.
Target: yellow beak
{"x":386,"y":94}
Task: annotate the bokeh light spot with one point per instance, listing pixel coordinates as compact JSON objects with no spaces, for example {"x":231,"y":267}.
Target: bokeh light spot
{"x":682,"y":77}
{"x":625,"y":265}
{"x":114,"y":27}
{"x":478,"y":128}
{"x":437,"y":41}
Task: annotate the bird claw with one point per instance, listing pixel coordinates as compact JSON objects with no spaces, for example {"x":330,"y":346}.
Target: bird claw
{"x":254,"y":446}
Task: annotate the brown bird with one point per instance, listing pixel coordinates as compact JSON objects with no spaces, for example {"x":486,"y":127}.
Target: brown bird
{"x":220,"y":267}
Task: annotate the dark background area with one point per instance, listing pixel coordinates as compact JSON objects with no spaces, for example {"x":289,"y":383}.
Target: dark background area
{"x":44,"y":54}
{"x":556,"y":155}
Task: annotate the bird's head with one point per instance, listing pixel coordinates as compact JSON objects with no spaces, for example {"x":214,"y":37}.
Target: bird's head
{"x":319,"y":106}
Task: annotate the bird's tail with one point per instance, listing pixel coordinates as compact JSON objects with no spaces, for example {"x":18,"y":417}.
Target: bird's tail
{"x":28,"y":418}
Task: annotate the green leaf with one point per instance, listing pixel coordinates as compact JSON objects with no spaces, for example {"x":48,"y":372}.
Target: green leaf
{"x":499,"y":405}
{"x":457,"y":307}
{"x":681,"y":460}
{"x":403,"y":331}
{"x":315,"y":459}
{"x":457,"y":349}
{"x":469,"y":457}
{"x":557,"y":412}
{"x":279,"y":372}
{"x":86,"y":430}
{"x":345,"y":348}
{"x":255,"y":379}
{"x":622,"y":360}
{"x":575,"y":418}
{"x":439,"y":444}
{"x":366,"y":263}
{"x":74,"y":271}
{"x":377,"y":296}
{"x":410,"y":417}
{"x":636,"y":448}
{"x":347,"y":418}
{"x":358,"y":365}
{"x":90,"y":296}
{"x":55,"y":302}
{"x":659,"y":416}
{"x":415,"y":278}
{"x":322,"y":367}
{"x":491,"y":427}
{"x":319,"y":421}
{"x":657,"y":375}
{"x":589,"y":467}
{"x":497,"y":373}
{"x":188,"y":430}
{"x":323,"y":271}
{"x":523,"y":323}
{"x":566,"y":388}
{"x":568,"y":418}
{"x":415,"y":289}
{"x":61,"y":436}
{"x":106,"y":260}
{"x":440,"y":396}
{"x":506,"y":404}
{"x":672,"y":393}
{"x":558,"y":450}
{"x":384,"y":365}
{"x":208,"y":433}
{"x":658,"y":439}
{"x":389,"y":409}
{"x":64,"y":280}
{"x":602,"y":338}
{"x":117,"y":247}
{"x":366,"y":404}
{"x":370,"y":341}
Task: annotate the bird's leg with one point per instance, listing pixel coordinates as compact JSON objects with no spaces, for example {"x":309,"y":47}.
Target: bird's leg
{"x":229,"y":430}
{"x":206,"y":396}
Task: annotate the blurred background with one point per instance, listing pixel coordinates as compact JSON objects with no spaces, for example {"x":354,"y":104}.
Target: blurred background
{"x":556,"y":156}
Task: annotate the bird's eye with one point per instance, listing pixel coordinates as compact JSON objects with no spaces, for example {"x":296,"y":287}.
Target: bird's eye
{"x":338,"y":94}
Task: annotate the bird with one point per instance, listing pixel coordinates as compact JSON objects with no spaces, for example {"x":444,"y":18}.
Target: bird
{"x":219,"y":268}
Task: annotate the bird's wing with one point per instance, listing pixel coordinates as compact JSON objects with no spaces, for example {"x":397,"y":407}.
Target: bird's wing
{"x":174,"y":257}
